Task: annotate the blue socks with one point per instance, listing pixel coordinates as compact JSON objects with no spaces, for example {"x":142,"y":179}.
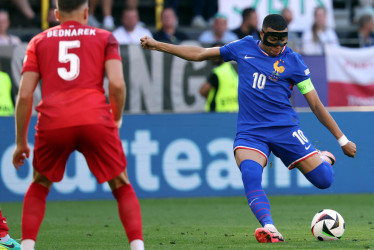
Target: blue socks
{"x":322,"y":176}
{"x":257,"y":199}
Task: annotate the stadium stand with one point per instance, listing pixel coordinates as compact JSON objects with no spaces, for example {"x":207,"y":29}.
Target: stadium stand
{"x":25,"y":30}
{"x":344,"y":11}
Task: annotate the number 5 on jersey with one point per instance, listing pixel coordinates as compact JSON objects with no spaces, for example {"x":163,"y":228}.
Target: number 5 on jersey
{"x":65,"y":57}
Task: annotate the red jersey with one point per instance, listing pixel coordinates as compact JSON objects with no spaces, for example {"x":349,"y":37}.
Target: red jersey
{"x":70,"y":59}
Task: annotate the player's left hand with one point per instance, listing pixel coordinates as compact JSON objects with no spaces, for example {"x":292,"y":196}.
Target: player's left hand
{"x":19,"y":155}
{"x":349,"y":149}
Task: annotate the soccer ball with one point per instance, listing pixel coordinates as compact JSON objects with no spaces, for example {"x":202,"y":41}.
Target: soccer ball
{"x":328,"y":224}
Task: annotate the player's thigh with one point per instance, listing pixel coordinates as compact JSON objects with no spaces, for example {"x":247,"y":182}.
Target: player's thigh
{"x":292,"y":146}
{"x":310,"y":163}
{"x":251,"y":148}
{"x":103,"y":151}
{"x":51,"y":151}
{"x":242,"y":154}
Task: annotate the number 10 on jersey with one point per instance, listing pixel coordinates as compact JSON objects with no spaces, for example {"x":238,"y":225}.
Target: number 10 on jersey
{"x":259,"y":80}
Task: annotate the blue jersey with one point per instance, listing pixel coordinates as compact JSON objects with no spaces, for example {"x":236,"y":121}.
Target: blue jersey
{"x":265,"y":84}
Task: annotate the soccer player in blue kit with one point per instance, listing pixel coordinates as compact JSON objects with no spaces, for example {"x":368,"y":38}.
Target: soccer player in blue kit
{"x":268,"y":71}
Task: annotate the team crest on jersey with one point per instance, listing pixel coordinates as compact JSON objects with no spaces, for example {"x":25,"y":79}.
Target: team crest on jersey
{"x":278,"y":69}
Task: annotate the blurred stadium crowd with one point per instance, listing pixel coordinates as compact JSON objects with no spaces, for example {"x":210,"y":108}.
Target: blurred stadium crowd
{"x":175,"y":21}
{"x":192,"y":18}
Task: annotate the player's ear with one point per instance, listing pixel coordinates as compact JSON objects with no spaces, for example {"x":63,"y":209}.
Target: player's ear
{"x":85,"y":14}
{"x":57,"y":15}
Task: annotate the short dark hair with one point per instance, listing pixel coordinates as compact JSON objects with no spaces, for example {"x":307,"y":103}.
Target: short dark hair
{"x":247,"y":12}
{"x":69,"y":5}
{"x":274,"y":21}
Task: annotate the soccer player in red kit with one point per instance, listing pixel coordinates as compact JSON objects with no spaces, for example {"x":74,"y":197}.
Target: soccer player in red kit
{"x":71,"y":59}
{"x":5,"y":241}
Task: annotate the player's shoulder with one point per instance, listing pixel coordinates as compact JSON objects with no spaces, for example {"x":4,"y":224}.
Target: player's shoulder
{"x":288,"y":51}
{"x":243,"y":43}
{"x":291,"y":55}
{"x":36,"y":39}
{"x":248,"y":40}
{"x":46,"y":32}
{"x":106,"y":36}
{"x":96,"y":32}
{"x":294,"y":61}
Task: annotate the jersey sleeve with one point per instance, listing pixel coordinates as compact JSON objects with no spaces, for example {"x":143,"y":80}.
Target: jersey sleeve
{"x":229,"y":51}
{"x":301,"y":71}
{"x":30,"y":62}
{"x":112,"y":49}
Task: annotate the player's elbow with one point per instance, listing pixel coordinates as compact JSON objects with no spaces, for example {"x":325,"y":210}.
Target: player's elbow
{"x":117,"y":86}
{"x":24,"y":96}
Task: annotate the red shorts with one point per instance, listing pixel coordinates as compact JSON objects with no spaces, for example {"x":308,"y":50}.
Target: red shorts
{"x":99,"y":144}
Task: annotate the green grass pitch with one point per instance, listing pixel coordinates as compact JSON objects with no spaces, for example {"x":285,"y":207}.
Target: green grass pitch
{"x":199,"y":223}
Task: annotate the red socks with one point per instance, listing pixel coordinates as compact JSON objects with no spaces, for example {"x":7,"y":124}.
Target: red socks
{"x":33,"y":210}
{"x":3,"y":226}
{"x":129,"y":212}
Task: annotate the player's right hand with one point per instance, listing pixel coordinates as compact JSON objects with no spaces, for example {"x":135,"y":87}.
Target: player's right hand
{"x":119,"y":123}
{"x":148,"y":42}
{"x":19,"y":155}
{"x":349,"y":149}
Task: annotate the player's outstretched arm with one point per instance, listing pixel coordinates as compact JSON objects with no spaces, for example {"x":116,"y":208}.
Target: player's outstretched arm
{"x":348,"y":147}
{"x":117,"y":89}
{"x":190,"y":53}
{"x":23,"y":111}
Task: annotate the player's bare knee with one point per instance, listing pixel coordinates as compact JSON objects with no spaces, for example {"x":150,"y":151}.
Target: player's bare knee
{"x":42,"y":180}
{"x":119,"y":181}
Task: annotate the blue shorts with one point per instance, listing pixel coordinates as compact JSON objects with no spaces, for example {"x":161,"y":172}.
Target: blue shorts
{"x":288,"y":143}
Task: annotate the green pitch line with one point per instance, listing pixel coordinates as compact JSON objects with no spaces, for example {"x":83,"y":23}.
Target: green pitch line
{"x":199,"y":223}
